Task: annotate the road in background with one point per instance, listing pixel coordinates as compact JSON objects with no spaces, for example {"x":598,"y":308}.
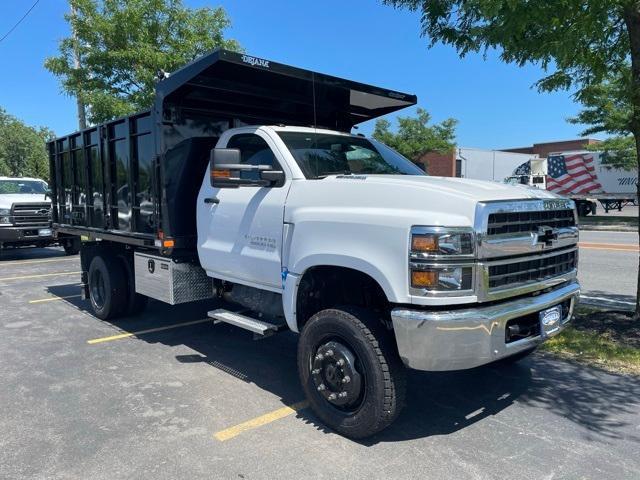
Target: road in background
{"x":608,"y":268}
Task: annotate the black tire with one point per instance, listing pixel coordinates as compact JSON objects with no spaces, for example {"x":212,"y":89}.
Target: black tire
{"x":136,"y":303}
{"x":380,"y":374}
{"x":107,"y":287}
{"x":584,"y":209}
{"x":517,"y":357}
{"x":72,"y":247}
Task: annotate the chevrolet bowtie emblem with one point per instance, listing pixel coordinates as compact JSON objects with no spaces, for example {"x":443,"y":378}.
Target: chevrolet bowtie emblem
{"x":546,"y":236}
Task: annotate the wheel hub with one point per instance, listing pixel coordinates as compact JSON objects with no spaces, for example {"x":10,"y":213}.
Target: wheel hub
{"x":333,"y":369}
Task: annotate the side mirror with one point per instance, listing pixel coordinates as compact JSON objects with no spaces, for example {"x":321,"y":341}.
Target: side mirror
{"x":48,"y":193}
{"x":274,"y":177}
{"x":226,"y":169}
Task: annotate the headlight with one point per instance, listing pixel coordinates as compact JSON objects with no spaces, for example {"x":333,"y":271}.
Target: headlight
{"x":4,"y":215}
{"x":442,"y":261}
{"x":440,"y":241}
{"x":442,"y":278}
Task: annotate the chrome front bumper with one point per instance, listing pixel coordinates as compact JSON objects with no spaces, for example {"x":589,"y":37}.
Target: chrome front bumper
{"x":466,"y":338}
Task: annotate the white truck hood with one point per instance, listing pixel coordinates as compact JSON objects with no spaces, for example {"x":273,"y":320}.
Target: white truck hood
{"x":399,"y":200}
{"x":8,"y":199}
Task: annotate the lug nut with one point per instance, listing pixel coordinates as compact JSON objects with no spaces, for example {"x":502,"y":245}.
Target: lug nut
{"x":329,"y":353}
{"x":340,"y":362}
{"x":343,"y":394}
{"x":321,"y":387}
{"x":315,"y":371}
{"x":346,"y":379}
{"x":332,"y":396}
{"x":319,"y":356}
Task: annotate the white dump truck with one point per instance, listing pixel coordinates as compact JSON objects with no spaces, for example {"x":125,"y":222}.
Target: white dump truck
{"x":244,"y":186}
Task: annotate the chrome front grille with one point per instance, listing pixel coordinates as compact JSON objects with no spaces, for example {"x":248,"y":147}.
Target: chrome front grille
{"x":532,"y":270}
{"x":524,"y":222}
{"x":525,"y":246}
{"x":31,"y":214}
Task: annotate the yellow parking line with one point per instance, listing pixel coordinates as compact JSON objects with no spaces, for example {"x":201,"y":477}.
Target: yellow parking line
{"x":53,"y":299}
{"x":29,"y":262}
{"x":142,"y":332}
{"x":42,"y":275}
{"x":229,"y":433}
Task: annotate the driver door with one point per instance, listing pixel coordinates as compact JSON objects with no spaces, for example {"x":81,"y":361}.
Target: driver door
{"x":240,"y":235}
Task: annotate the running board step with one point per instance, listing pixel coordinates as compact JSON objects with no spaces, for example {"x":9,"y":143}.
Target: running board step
{"x":260,"y":328}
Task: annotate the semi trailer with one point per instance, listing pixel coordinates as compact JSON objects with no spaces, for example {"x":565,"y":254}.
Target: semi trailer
{"x":244,"y":185}
{"x":584,"y":176}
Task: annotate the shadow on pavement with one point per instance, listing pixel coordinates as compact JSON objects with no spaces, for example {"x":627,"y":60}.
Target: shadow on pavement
{"x":30,"y":253}
{"x":438,"y":403}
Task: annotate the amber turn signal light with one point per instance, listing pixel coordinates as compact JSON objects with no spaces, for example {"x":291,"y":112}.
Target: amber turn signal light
{"x":424,"y":243}
{"x":220,"y":174}
{"x":424,"y":279}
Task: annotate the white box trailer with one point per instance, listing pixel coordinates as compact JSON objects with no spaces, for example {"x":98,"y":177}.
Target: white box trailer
{"x":490,"y":165}
{"x":583,"y":176}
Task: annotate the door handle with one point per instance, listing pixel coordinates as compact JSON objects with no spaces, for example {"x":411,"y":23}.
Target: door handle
{"x":213,"y":200}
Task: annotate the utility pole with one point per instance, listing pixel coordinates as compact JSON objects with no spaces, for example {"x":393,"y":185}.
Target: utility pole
{"x":82,"y":118}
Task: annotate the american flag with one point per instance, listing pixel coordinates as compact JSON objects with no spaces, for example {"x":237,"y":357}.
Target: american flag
{"x":572,"y":174}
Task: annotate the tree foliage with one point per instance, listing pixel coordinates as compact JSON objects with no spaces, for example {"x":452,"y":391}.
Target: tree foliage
{"x":124,"y":45}
{"x":581,"y":41}
{"x":22,"y":148}
{"x":619,"y":152}
{"x":415,"y":137}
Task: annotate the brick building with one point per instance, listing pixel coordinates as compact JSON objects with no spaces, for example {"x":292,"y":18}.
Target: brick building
{"x":453,"y":164}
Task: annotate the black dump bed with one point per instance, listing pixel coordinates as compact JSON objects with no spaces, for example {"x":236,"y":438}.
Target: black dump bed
{"x":136,"y":179}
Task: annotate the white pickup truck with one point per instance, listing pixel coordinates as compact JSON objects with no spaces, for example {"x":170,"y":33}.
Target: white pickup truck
{"x":315,"y":230}
{"x":25,"y":215}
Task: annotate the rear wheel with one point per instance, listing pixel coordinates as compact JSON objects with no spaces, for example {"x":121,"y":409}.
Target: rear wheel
{"x":350,"y":371}
{"x":107,"y":287}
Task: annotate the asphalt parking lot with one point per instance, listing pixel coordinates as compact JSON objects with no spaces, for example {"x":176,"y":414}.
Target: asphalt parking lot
{"x":169,"y":395}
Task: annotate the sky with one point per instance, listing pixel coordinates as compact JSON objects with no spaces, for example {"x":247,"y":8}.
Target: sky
{"x":496,"y":104}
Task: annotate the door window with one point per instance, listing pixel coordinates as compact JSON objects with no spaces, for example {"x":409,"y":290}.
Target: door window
{"x":254,"y":150}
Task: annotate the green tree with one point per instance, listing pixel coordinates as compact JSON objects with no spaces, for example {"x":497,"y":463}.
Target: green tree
{"x":415,"y":137}
{"x":619,"y":152}
{"x":608,"y":109}
{"x":124,"y":46}
{"x":592,"y":46}
{"x":22,"y":148}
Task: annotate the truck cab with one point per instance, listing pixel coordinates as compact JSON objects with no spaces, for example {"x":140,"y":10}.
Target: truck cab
{"x":246,"y":186}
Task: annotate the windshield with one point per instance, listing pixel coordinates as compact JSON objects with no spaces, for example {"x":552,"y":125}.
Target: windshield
{"x":322,"y":154}
{"x":22,"y":186}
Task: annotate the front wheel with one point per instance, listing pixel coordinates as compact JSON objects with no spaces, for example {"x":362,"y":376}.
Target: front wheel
{"x":350,"y":371}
